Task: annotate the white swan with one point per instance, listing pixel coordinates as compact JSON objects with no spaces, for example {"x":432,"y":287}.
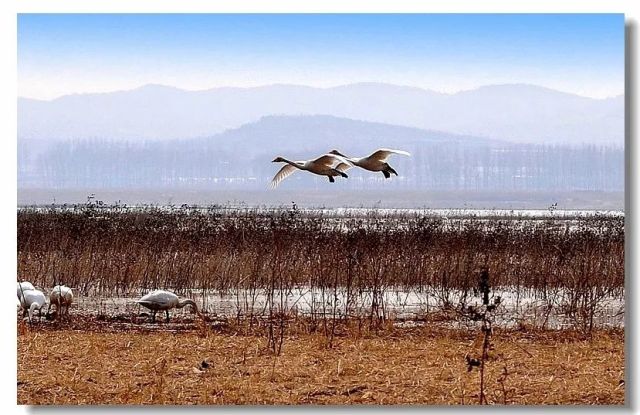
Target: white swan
{"x":324,"y":166}
{"x":159,"y":300}
{"x":24,"y":286}
{"x":33,"y":300}
{"x":62,"y":297}
{"x":374,"y":162}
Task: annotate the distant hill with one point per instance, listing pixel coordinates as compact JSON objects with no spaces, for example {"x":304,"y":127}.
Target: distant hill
{"x":240,"y":158}
{"x":516,"y":113}
{"x":304,"y":136}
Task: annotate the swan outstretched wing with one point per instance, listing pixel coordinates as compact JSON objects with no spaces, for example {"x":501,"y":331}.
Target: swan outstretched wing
{"x":284,"y":172}
{"x":331,"y":160}
{"x":384,"y":153}
{"x":343,"y":167}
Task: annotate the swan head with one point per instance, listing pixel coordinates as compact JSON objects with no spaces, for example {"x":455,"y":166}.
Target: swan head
{"x":337,"y":153}
{"x":278,"y":160}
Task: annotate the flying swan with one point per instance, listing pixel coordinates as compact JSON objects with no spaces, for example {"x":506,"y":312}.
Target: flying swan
{"x":374,"y":162}
{"x":159,"y":300}
{"x":324,"y":166}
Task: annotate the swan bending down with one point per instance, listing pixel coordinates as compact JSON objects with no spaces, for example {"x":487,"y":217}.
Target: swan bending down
{"x":62,"y":297}
{"x":33,"y":300}
{"x":324,"y":166}
{"x":159,"y":300}
{"x":24,"y":286}
{"x":374,"y":162}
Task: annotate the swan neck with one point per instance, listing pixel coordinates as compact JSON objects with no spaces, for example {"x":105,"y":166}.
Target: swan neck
{"x":32,"y":309}
{"x":293,"y":163}
{"x":188,"y":302}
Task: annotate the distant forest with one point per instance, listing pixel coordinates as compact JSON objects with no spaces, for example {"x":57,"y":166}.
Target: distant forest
{"x":205,"y":164}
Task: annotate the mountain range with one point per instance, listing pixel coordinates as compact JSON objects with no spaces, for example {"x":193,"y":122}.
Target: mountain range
{"x":515,"y":112}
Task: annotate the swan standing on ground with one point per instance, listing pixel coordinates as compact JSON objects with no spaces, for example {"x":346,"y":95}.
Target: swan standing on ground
{"x":62,"y":297}
{"x":159,"y":300}
{"x":24,"y":286}
{"x":324,"y":166}
{"x":374,"y":162}
{"x":33,"y":300}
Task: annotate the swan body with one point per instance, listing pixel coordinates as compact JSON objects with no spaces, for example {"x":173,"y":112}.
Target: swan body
{"x":24,"y":286}
{"x":324,"y":165}
{"x":62,"y":297}
{"x":160,"y":300}
{"x":377,"y":161}
{"x":33,"y":300}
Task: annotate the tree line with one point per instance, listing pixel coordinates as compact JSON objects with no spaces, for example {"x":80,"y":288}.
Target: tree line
{"x":206,"y":164}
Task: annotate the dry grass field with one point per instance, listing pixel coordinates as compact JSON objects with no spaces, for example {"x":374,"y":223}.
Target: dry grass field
{"x":395,"y":366}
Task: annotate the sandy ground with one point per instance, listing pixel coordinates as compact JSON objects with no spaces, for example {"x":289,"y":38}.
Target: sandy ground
{"x":65,"y":363}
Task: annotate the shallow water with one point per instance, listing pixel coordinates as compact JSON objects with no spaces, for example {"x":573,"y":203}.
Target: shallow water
{"x":349,"y":212}
{"x":405,"y":307}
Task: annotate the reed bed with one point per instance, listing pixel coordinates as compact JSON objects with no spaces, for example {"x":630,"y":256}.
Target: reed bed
{"x":570,"y":263}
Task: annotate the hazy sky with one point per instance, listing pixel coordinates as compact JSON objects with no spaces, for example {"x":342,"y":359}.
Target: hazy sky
{"x":72,"y":53}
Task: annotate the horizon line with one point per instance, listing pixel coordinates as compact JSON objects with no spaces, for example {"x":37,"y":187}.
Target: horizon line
{"x":276,"y":84}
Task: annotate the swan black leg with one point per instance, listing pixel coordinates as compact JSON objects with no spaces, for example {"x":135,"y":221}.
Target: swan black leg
{"x":339,"y":173}
{"x":386,"y":174}
{"x":153,"y":316}
{"x":391,"y":170}
{"x":167,"y":311}
{"x":331,"y":179}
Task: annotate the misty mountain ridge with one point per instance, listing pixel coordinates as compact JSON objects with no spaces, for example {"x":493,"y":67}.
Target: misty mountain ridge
{"x":313,"y":134}
{"x":511,"y":112}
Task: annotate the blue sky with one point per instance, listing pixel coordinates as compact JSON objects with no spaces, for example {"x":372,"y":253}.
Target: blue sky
{"x":74,"y":53}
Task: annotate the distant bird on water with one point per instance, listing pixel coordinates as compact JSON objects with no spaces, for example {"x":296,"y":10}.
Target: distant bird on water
{"x":374,"y":162}
{"x":62,"y":297}
{"x":24,"y":286}
{"x":160,"y":300}
{"x":324,"y":166}
{"x":33,"y":300}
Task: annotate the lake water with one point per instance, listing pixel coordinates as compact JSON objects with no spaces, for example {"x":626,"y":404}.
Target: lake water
{"x":406,"y":307}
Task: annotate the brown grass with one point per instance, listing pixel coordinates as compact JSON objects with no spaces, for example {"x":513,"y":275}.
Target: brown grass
{"x":418,"y":366}
{"x":120,"y":252}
